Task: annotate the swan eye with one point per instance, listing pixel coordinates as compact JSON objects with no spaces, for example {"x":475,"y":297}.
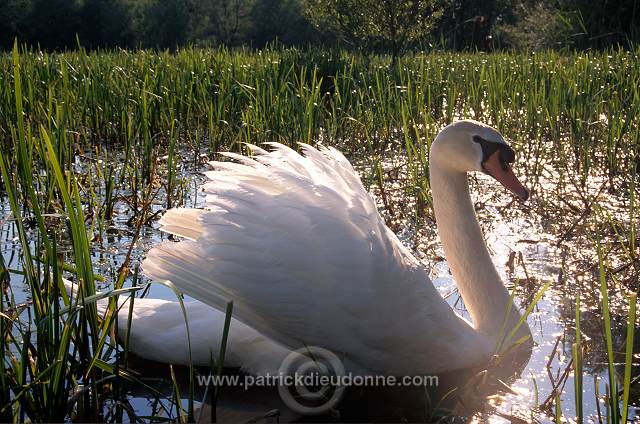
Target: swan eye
{"x":507,"y":155}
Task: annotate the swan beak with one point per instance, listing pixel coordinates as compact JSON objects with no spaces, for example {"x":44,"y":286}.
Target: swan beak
{"x":502,"y":172}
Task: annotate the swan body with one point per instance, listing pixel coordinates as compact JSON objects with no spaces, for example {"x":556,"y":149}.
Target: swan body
{"x":298,"y":245}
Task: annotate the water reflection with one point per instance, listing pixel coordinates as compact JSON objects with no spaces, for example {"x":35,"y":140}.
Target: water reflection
{"x":462,"y":393}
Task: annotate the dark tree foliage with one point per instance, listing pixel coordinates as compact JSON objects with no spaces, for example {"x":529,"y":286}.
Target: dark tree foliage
{"x":226,"y":21}
{"x":471,"y":24}
{"x":392,"y":25}
{"x":105,"y":23}
{"x":167,"y":23}
{"x":369,"y":25}
{"x":12,"y":21}
{"x":603,"y":22}
{"x":281,"y":20}
{"x":54,"y":23}
{"x":580,"y":24}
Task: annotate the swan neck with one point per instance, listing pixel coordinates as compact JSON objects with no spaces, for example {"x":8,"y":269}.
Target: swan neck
{"x":478,"y":281}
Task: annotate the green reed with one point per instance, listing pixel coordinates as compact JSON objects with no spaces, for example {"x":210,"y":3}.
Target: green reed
{"x":576,"y":351}
{"x":586,"y":101}
{"x":628,"y":357}
{"x":60,"y":354}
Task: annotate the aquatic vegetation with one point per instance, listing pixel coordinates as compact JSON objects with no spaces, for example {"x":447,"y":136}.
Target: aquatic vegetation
{"x":96,"y":145}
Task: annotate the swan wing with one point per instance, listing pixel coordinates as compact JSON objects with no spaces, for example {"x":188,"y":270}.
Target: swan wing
{"x":298,"y":245}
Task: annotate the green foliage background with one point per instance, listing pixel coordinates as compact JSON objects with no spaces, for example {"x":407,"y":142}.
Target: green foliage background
{"x":379,"y":25}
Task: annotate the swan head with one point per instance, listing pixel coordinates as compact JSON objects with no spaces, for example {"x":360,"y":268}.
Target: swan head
{"x":471,"y":146}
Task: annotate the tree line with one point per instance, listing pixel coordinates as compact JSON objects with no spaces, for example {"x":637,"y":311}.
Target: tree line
{"x":368,"y":25}
{"x":58,"y":24}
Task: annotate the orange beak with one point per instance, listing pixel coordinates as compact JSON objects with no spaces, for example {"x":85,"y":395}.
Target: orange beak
{"x":507,"y":178}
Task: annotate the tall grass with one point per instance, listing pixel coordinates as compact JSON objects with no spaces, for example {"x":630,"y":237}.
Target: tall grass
{"x":37,"y":374}
{"x":60,"y":355}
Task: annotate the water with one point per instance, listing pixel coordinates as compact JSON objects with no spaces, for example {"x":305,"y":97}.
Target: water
{"x":528,"y":248}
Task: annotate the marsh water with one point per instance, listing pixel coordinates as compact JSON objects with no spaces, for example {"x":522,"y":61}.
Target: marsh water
{"x":529,"y":246}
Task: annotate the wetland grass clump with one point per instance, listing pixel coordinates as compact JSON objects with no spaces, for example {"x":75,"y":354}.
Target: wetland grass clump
{"x":91,"y":137}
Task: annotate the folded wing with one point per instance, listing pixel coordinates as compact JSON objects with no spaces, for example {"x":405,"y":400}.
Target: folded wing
{"x":298,"y":245}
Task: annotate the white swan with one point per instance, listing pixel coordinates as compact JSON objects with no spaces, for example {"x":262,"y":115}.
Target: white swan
{"x":297,"y":244}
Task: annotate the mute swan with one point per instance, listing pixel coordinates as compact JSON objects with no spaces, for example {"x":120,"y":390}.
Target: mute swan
{"x":298,"y":245}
